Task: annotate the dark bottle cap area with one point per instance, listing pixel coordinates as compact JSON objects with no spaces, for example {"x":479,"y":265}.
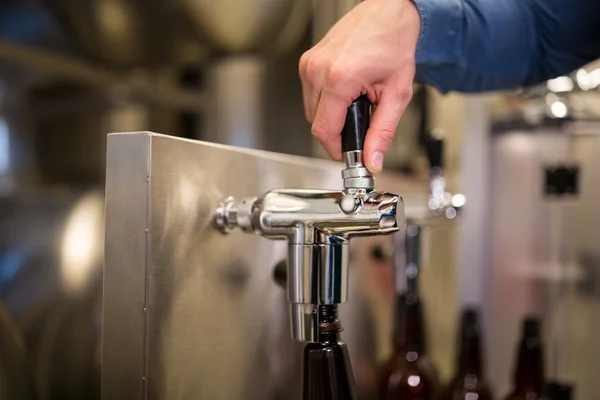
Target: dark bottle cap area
{"x":531,"y":327}
{"x":559,"y":391}
{"x":327,"y":372}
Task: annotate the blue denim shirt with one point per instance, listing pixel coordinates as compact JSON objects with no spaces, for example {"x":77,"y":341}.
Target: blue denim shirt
{"x":480,"y":45}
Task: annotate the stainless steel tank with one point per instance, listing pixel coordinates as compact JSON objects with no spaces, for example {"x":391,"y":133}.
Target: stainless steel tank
{"x":240,"y":26}
{"x":16,"y":379}
{"x":51,"y":281}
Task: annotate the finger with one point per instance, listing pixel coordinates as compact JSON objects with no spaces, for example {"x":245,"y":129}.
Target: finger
{"x":307,"y":91}
{"x":313,"y":74}
{"x":329,"y":121}
{"x":386,"y":117}
{"x":306,"y":99}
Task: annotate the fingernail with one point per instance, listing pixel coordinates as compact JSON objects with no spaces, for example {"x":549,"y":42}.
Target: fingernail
{"x":377,"y":161}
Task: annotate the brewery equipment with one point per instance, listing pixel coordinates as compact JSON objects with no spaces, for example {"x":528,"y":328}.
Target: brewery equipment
{"x":318,"y":225}
{"x":190,"y":312}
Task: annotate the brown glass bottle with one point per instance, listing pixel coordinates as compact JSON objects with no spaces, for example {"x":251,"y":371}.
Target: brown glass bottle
{"x":469,"y":382}
{"x":409,"y":375}
{"x":327,"y":373}
{"x":529,"y":371}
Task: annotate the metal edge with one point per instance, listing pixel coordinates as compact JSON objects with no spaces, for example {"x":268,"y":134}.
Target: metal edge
{"x":384,"y":181}
{"x":124,"y":292}
{"x":310,"y":162}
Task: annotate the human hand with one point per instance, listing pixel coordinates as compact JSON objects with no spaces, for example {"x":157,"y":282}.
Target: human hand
{"x":371,"y":50}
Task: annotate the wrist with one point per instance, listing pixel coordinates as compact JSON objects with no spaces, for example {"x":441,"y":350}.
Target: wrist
{"x":440,"y":29}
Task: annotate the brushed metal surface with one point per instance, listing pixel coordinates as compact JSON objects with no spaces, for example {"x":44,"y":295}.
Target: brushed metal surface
{"x":123,"y":324}
{"x":242,"y":25}
{"x":51,"y":260}
{"x":122,"y":33}
{"x":190,"y":313}
{"x":16,"y":377}
{"x":545,"y":257}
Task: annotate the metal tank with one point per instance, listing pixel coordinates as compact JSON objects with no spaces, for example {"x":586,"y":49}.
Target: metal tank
{"x":242,"y":26}
{"x":52,"y":232}
{"x":51,"y":284}
{"x":16,"y":379}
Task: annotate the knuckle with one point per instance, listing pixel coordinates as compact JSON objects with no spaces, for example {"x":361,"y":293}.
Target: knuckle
{"x":303,"y":62}
{"x":318,"y":132}
{"x":386,"y":134}
{"x":405,"y":94}
{"x":337,"y":75}
{"x":313,"y":68}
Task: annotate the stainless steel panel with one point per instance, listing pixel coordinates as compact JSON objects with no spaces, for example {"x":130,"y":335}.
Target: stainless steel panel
{"x":192,"y":313}
{"x":127,"y":209}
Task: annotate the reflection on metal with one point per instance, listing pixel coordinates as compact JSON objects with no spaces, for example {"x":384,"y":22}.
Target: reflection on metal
{"x":73,"y":70}
{"x":235,"y":114}
{"x":189,"y":312}
{"x":57,"y":310}
{"x":4,"y":147}
{"x":318,"y":231}
{"x":574,"y":97}
{"x":248,"y":25}
{"x":16,"y":381}
{"x":119,"y":32}
{"x":544,"y":255}
{"x":295,"y":28}
{"x":82,"y":243}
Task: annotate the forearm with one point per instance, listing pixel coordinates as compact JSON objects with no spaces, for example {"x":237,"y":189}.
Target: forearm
{"x":481,"y":45}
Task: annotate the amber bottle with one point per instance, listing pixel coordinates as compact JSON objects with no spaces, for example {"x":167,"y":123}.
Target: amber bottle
{"x":469,"y":382}
{"x":327,"y":373}
{"x":529,"y":371}
{"x":409,"y":375}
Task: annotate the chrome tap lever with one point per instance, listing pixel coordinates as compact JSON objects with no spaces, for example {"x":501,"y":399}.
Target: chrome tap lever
{"x":441,"y":202}
{"x":318,"y":225}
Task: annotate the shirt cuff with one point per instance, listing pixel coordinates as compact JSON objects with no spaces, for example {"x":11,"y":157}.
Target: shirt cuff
{"x":440,"y":30}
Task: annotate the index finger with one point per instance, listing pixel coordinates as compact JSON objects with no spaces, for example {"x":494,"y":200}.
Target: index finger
{"x":329,"y":121}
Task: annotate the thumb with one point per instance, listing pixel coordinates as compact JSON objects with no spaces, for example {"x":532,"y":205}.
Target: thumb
{"x":386,"y":117}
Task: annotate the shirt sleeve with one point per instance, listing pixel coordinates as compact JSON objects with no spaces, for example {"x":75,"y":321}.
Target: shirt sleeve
{"x":482,"y":45}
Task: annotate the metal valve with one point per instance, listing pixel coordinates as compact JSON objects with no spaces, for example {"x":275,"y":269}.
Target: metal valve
{"x":318,"y":225}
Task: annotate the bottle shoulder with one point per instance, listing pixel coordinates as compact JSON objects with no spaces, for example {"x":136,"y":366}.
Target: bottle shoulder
{"x":403,"y":379}
{"x":422,"y":366}
{"x":515,"y":395}
{"x":460,"y":386}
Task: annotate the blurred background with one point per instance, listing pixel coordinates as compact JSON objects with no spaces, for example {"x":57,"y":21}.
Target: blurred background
{"x":225,"y":71}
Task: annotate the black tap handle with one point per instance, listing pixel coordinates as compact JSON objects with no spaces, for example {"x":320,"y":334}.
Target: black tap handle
{"x":434,"y":147}
{"x":357,"y":124}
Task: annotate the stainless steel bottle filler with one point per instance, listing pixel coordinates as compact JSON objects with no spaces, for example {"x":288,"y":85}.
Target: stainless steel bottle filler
{"x":318,"y":225}
{"x":189,"y":312}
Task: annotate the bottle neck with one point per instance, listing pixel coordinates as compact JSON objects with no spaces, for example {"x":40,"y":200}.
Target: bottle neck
{"x":329,"y":325}
{"x":327,"y":373}
{"x":529,"y":374}
{"x":410,"y":330}
{"x":470,"y":359}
